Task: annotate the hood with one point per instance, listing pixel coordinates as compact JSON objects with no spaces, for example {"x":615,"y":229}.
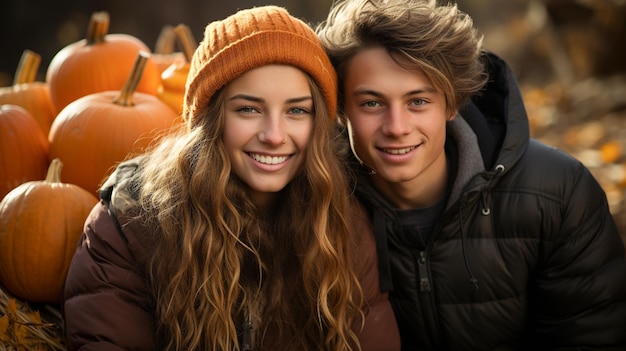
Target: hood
{"x":121,"y":190}
{"x":498,"y":117}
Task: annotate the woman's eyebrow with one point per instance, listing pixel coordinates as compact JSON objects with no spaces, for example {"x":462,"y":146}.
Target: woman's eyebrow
{"x":258,"y":99}
{"x":300,"y":99}
{"x":246,"y":97}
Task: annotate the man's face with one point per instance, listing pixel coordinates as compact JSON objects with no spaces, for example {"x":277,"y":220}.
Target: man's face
{"x":398,"y":120}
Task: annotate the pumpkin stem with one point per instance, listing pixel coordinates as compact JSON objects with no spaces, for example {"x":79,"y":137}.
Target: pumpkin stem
{"x":54,"y":171}
{"x":166,"y":40}
{"x":186,"y":40}
{"x":27,"y":68}
{"x":98,"y":27}
{"x":125,"y":98}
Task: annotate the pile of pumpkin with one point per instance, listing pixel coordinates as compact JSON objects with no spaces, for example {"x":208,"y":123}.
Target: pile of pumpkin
{"x":104,"y":98}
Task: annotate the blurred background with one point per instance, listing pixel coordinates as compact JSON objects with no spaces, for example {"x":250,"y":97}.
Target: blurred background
{"x":569,"y":56}
{"x":573,"y":39}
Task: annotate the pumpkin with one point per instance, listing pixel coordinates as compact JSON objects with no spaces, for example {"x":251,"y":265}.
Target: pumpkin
{"x":101,"y":62}
{"x":164,"y":54}
{"x":172,"y":89}
{"x":26,"y":92}
{"x":23,"y":148}
{"x":174,"y":78}
{"x":92,"y":134}
{"x":40,"y":224}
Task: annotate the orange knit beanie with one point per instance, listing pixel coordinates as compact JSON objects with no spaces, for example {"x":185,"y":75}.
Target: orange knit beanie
{"x":248,"y":39}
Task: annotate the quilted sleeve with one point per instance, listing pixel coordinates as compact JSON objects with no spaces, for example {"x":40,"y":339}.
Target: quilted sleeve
{"x":380,"y":330}
{"x":107,"y":301}
{"x":581,"y":286}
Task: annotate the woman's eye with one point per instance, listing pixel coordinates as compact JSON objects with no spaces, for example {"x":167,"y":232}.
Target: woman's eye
{"x":247,"y":109}
{"x":298,"y":111}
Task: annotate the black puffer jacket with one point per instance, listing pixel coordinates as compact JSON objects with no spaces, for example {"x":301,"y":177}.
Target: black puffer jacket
{"x":526,"y":255}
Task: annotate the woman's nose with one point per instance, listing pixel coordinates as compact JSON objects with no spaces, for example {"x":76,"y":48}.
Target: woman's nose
{"x":273,"y":131}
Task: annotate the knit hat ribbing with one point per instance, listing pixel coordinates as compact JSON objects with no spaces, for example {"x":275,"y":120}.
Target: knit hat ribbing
{"x":252,"y":38}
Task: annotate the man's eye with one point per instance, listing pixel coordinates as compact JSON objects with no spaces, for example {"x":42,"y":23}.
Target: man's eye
{"x":418,"y":102}
{"x":371,"y":104}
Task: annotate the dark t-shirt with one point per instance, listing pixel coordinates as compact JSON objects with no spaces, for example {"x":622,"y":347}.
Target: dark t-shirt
{"x":418,"y":223}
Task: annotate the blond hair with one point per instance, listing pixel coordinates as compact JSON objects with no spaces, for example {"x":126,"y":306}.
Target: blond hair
{"x":439,"y":40}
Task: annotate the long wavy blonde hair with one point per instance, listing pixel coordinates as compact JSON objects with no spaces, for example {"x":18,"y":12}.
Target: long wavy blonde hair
{"x":219,"y":264}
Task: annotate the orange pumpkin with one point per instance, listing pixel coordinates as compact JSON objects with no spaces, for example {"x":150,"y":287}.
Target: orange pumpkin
{"x":164,"y":54}
{"x":26,"y":92}
{"x":174,"y":78}
{"x":98,"y":63}
{"x":40,"y":224}
{"x":173,"y":82}
{"x":92,"y":134}
{"x":23,"y":148}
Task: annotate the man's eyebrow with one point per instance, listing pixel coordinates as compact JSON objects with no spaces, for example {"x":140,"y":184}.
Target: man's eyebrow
{"x":427,"y":89}
{"x":367,"y":92}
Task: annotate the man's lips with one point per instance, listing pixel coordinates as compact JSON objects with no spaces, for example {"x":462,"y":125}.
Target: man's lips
{"x":398,"y":151}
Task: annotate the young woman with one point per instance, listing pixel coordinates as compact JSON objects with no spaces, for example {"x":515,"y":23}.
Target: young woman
{"x":235,"y":233}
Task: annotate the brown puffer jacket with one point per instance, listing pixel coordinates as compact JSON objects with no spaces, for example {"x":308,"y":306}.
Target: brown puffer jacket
{"x":108,"y":305}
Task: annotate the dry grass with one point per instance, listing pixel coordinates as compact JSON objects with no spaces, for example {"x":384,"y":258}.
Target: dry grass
{"x":25,"y":326}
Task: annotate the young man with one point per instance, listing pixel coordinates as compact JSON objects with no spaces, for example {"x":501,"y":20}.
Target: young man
{"x":487,"y":238}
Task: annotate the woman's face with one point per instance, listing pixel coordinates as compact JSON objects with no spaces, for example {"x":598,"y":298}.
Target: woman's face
{"x":269,"y":118}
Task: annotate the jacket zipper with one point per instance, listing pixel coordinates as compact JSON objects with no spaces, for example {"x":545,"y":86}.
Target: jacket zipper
{"x":426,"y":300}
{"x":424,"y":282}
